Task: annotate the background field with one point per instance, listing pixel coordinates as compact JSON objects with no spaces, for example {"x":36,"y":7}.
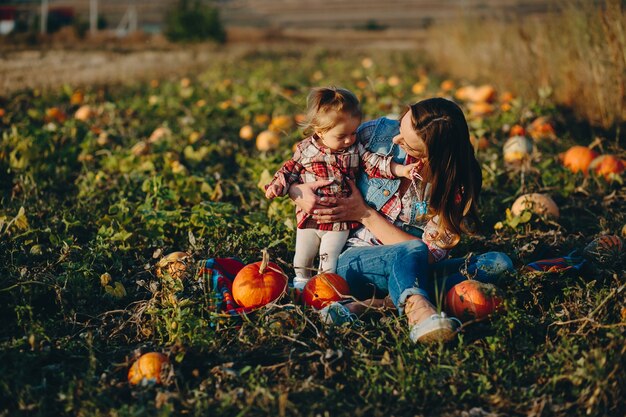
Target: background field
{"x":89,"y":205}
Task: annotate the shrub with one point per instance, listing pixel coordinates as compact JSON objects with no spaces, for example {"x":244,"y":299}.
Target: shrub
{"x":194,"y":21}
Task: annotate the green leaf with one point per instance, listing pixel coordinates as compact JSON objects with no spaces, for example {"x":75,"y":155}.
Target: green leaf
{"x":525,"y":217}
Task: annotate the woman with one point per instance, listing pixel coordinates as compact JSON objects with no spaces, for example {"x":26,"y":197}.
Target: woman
{"x":409,"y":225}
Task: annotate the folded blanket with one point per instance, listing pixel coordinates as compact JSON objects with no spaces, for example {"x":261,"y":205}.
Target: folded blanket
{"x":218,"y":274}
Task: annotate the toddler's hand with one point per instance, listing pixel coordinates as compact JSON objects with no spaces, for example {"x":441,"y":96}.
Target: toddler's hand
{"x":411,"y":170}
{"x":273,"y":190}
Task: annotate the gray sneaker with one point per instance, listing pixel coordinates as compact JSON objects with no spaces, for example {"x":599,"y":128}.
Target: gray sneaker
{"x":336,"y":314}
{"x":436,"y":328}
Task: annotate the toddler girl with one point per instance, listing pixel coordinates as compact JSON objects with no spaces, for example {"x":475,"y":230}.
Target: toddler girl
{"x":330,"y":153}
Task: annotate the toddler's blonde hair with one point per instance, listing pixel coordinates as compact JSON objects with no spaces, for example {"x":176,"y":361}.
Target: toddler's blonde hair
{"x":326,"y":105}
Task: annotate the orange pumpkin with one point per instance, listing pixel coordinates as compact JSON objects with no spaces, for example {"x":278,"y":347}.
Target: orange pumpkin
{"x":447,"y":85}
{"x":472,"y":299}
{"x":578,"y":158}
{"x":280,"y":123}
{"x":55,"y":114}
{"x":300,"y":118}
{"x":517,"y":130}
{"x":484,"y":93}
{"x":507,"y":97}
{"x":418,"y":88}
{"x":323,"y":289}
{"x":607,"y":166}
{"x":464,"y":93}
{"x":259,"y":283}
{"x":84,"y":113}
{"x":480,"y":108}
{"x":148,"y":367}
{"x":246,"y":132}
{"x":175,"y":264}
{"x":541,"y":128}
{"x":77,"y":98}
{"x":267,"y":140}
{"x":481,"y":143}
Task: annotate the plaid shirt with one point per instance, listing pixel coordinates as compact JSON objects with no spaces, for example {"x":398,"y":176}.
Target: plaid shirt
{"x":398,"y":209}
{"x":312,"y":161}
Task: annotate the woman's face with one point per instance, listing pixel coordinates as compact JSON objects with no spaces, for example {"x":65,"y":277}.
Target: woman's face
{"x":408,"y":139}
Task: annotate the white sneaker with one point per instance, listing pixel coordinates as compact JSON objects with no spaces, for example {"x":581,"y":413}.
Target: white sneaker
{"x":337,"y":314}
{"x":436,"y":328}
{"x":299,"y":282}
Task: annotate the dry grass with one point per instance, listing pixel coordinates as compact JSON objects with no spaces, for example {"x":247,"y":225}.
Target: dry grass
{"x":577,"y":55}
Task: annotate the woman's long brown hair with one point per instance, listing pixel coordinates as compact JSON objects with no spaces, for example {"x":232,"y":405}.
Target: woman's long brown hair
{"x":453,"y":166}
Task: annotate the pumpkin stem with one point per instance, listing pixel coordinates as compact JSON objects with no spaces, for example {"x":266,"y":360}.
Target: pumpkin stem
{"x":264,"y":261}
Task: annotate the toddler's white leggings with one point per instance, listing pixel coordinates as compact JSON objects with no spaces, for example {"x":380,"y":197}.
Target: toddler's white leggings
{"x":310,"y":242}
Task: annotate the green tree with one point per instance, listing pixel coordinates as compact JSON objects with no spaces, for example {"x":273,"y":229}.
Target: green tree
{"x":194,"y":20}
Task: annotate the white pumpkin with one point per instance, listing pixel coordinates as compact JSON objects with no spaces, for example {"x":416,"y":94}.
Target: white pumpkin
{"x":517,"y":149}
{"x":541,"y":204}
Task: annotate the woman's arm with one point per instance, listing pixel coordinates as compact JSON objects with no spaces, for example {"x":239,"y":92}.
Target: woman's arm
{"x":354,"y":208}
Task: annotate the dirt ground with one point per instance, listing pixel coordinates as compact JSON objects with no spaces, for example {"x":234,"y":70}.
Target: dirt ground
{"x":81,"y":63}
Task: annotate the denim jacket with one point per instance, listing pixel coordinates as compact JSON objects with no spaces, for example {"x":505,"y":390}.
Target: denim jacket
{"x":377,"y":191}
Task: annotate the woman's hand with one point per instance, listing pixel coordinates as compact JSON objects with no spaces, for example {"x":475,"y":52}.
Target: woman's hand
{"x":304,"y":196}
{"x":352,"y":208}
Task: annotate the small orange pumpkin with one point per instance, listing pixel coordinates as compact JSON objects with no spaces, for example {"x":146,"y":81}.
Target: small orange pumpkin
{"x":300,"y":118}
{"x":77,"y":98}
{"x":267,"y":140}
{"x":175,"y":264}
{"x":246,"y":132}
{"x":507,"y":97}
{"x":472,"y":299}
{"x":323,"y":289}
{"x":259,"y":283}
{"x":280,"y":123}
{"x":484,"y":93}
{"x":84,"y":113}
{"x":480,"y":108}
{"x":447,"y":85}
{"x":465,"y":92}
{"x":517,"y":130}
{"x":481,"y":143}
{"x":55,"y":114}
{"x":578,"y":158}
{"x":541,"y":128}
{"x":607,"y":166}
{"x":149,"y":367}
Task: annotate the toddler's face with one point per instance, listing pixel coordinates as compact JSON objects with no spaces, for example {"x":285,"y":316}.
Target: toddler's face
{"x":342,"y":135}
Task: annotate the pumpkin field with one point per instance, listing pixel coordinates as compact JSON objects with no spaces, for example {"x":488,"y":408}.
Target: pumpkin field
{"x":101,"y":184}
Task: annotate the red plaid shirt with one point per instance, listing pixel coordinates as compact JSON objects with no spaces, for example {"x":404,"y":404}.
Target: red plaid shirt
{"x":312,"y":161}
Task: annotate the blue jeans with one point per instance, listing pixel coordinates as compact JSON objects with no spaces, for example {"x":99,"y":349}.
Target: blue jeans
{"x":402,"y":269}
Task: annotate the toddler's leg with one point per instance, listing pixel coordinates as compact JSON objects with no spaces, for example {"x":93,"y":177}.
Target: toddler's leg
{"x":331,"y":245}
{"x":307,"y":245}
